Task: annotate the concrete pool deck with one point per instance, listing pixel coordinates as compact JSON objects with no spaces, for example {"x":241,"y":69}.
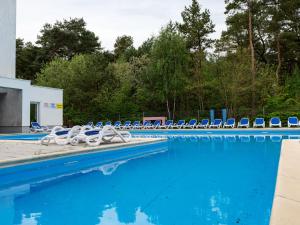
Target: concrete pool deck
{"x":14,"y":152}
{"x":286,"y":203}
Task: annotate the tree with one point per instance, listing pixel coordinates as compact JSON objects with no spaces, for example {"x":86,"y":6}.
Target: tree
{"x":87,"y":85}
{"x":66,"y":39}
{"x":122,"y":45}
{"x":196,"y":27}
{"x":29,"y":60}
{"x":240,"y":6}
{"x":168,"y":67}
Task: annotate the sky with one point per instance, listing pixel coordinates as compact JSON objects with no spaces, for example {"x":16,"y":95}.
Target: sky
{"x":109,"y":19}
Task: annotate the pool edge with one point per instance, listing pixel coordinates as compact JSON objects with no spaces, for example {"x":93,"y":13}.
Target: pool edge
{"x":286,"y":201}
{"x":80,"y":151}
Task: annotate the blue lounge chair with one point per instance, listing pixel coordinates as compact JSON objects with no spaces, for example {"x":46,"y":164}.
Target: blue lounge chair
{"x":203,"y":124}
{"x":36,"y":127}
{"x":259,"y":122}
{"x":168,"y":124}
{"x":127,"y":125}
{"x":180,"y":124}
{"x":99,"y":124}
{"x":230,"y":123}
{"x":217,"y":123}
{"x":136,"y":125}
{"x":108,"y":123}
{"x":147,"y":125}
{"x":275,"y":122}
{"x":117,"y":124}
{"x":293,"y":122}
{"x":156,"y":124}
{"x":192,"y":124}
{"x":244,"y":123}
{"x":91,"y":124}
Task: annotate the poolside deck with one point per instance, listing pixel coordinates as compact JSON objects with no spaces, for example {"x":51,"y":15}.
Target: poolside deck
{"x":286,"y":204}
{"x":19,"y":152}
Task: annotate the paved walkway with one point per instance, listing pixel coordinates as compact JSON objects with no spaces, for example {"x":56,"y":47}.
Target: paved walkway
{"x":15,"y":152}
{"x":286,"y":205}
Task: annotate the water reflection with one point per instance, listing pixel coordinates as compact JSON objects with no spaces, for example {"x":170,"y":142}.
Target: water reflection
{"x":110,"y":217}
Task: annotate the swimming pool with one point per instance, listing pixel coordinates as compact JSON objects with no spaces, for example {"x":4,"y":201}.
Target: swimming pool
{"x":193,"y":178}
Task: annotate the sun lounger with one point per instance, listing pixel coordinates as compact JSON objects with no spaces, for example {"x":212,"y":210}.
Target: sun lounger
{"x":36,"y":127}
{"x":108,"y":123}
{"x":293,"y":122}
{"x":230,"y":123}
{"x":204,"y":123}
{"x":168,"y":124}
{"x":99,"y":124}
{"x":192,"y":124}
{"x":259,"y":122}
{"x":136,"y":125}
{"x":117,"y":125}
{"x":127,"y":125}
{"x":180,"y":124}
{"x":107,"y":134}
{"x":275,"y":122}
{"x":244,"y":123}
{"x":62,"y":136}
{"x":217,"y":123}
{"x":156,"y":124}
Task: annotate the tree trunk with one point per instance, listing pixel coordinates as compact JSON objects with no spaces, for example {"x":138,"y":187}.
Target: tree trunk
{"x":174,"y":108}
{"x":253,"y":69}
{"x":278,"y":57}
{"x":168,"y":109}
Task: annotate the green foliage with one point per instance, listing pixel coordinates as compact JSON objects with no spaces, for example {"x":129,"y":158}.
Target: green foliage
{"x":66,"y":39}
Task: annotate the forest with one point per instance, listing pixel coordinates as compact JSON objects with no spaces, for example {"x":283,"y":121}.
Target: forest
{"x":181,"y":73}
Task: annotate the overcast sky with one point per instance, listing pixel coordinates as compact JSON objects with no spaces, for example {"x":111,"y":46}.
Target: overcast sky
{"x":111,"y":18}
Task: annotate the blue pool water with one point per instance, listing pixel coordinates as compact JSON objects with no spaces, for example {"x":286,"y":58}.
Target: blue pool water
{"x":190,"y":179}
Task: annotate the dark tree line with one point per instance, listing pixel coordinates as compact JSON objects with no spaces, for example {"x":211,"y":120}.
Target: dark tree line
{"x":253,"y":68}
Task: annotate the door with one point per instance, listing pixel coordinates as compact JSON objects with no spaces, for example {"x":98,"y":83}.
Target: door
{"x":34,"y":112}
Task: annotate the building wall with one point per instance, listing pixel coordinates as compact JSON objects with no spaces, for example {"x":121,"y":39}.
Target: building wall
{"x":8,"y":38}
{"x":46,"y":97}
{"x":10,"y":107}
{"x":48,"y":116}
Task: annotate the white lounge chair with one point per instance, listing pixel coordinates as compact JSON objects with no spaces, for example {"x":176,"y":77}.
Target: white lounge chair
{"x":60,"y":135}
{"x":107,"y":134}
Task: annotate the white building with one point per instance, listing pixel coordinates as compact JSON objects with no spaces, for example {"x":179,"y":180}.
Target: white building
{"x":21,"y":102}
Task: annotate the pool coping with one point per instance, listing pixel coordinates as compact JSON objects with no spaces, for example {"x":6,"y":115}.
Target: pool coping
{"x":286,"y":201}
{"x":81,"y":150}
{"x":184,"y":129}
